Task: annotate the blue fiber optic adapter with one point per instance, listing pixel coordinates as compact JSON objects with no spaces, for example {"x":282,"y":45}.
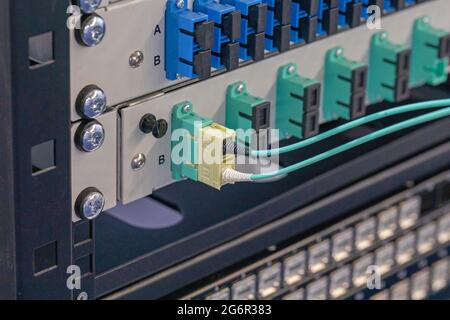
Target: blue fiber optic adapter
{"x":189,"y":39}
{"x":227,"y":31}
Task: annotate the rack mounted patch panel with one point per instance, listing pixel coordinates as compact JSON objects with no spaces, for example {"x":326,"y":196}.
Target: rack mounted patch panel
{"x":389,"y":237}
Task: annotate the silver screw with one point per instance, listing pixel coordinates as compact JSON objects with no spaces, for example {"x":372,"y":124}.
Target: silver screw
{"x":384,"y":35}
{"x":90,"y":204}
{"x":92,"y":30}
{"x":138,"y":162}
{"x":136,"y":59}
{"x":291,"y":69}
{"x":90,"y":136}
{"x":187,"y":108}
{"x":240,"y":88}
{"x":180,"y":4}
{"x":339,"y":52}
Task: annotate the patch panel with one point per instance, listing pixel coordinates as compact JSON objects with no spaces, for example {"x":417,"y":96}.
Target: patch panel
{"x":253,"y":24}
{"x":430,"y":53}
{"x":298,"y":102}
{"x":345,"y":83}
{"x":227,"y":32}
{"x":324,"y":278}
{"x":389,"y":64}
{"x":189,"y":39}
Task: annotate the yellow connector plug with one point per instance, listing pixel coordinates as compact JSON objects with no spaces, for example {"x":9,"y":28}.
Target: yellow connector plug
{"x":213,"y":161}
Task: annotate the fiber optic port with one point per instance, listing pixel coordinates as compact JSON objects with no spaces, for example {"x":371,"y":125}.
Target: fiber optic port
{"x":344,"y":86}
{"x":269,"y":280}
{"x":319,"y":256}
{"x":328,"y":17}
{"x":197,"y":147}
{"x":350,"y":13}
{"x":253,"y":25}
{"x":430,"y":53}
{"x":390,"y":70}
{"x":385,"y":258}
{"x":298,"y":102}
{"x":295,"y":268}
{"x":278,"y":28}
{"x":188,"y":43}
{"x":304,"y":20}
{"x":244,"y":111}
{"x":406,"y":248}
{"x":227,"y":31}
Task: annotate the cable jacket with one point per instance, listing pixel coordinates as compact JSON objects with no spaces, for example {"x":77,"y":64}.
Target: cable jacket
{"x":354,"y":124}
{"x":357,"y":142}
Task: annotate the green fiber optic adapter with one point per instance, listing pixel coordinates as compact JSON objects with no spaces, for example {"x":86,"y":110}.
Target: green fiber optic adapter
{"x":345,"y":84}
{"x":198,"y":147}
{"x":430,"y":53}
{"x":244,"y":111}
{"x":297,"y":104}
{"x":389,"y":66}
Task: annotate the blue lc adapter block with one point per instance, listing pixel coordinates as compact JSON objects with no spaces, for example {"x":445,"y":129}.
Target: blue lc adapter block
{"x":304,"y":20}
{"x":227,"y":31}
{"x":188,"y":43}
{"x":278,"y":26}
{"x":253,"y":24}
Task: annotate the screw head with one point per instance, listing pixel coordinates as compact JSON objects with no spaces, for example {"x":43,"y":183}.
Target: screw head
{"x":89,"y":204}
{"x":136,"y":59}
{"x":90,"y":136}
{"x":91,"y":102}
{"x":147,"y":123}
{"x":339,"y":52}
{"x":240,"y":88}
{"x":92,"y":30}
{"x":138,"y":162}
{"x":180,"y":4}
{"x":187,"y":108}
{"x":291,"y":69}
{"x":89,"y":6}
{"x":160,"y":129}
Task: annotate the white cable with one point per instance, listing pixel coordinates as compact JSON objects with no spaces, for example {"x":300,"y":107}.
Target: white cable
{"x":231,"y":176}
